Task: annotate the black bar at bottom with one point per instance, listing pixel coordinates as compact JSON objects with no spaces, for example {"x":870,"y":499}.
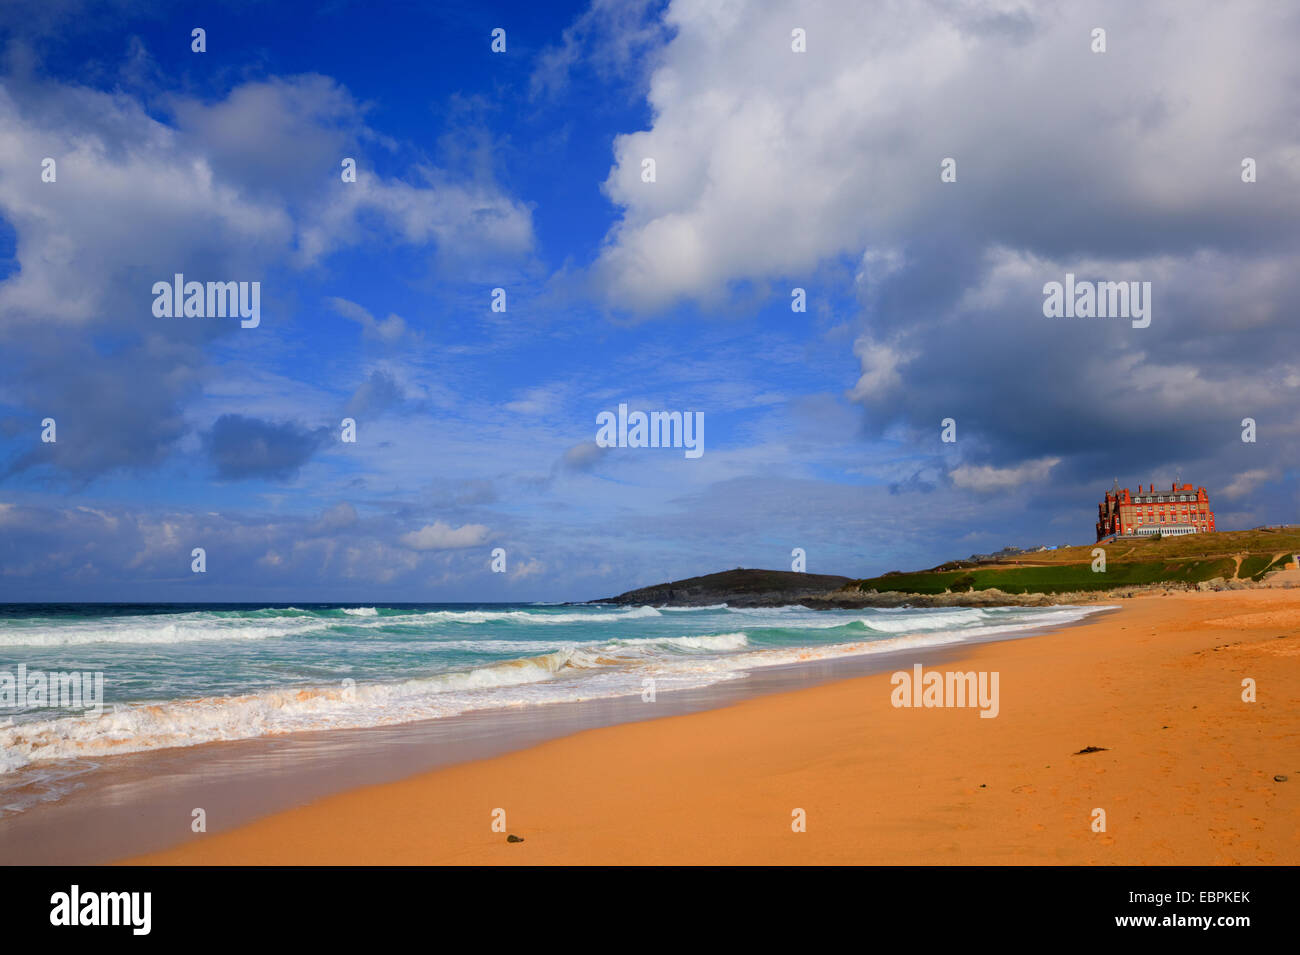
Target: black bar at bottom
{"x":332,"y":905}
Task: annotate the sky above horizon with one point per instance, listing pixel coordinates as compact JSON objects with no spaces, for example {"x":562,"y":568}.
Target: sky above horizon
{"x":524,"y":170}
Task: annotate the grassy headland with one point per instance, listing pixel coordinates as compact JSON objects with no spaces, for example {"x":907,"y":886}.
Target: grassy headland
{"x":1223,"y":560}
{"x":1194,"y":559}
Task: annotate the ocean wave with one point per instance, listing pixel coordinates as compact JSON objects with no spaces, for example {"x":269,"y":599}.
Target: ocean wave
{"x":126,"y":728}
{"x":207,"y":626}
{"x":150,"y":630}
{"x":925,"y":621}
{"x":706,"y":641}
{"x":526,"y":617}
{"x":1060,"y":615}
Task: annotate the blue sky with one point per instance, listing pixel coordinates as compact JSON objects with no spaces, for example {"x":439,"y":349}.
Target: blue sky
{"x":522,"y":170}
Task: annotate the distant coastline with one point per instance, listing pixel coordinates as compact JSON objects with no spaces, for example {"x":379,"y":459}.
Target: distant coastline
{"x":1225,"y":560}
{"x":744,"y":587}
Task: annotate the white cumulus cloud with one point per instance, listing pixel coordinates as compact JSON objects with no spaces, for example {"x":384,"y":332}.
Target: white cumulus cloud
{"x":440,"y":536}
{"x":983,"y":477}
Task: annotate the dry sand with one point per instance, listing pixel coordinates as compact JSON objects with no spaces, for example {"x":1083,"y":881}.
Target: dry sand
{"x":1186,"y":774}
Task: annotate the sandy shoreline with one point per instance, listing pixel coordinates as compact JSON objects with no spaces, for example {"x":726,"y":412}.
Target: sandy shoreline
{"x":1185,"y":776}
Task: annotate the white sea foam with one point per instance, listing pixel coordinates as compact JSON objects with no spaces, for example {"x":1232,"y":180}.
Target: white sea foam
{"x":928,"y":621}
{"x":709,"y":641}
{"x":208,"y":626}
{"x":163,"y":628}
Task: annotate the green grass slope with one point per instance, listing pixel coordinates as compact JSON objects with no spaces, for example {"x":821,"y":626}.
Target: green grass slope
{"x":1242,"y":555}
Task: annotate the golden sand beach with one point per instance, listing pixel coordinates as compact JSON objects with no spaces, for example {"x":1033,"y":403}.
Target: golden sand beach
{"x":1184,"y":768}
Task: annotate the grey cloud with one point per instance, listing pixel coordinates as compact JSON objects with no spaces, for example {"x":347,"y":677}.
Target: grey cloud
{"x":376,"y":394}
{"x":582,"y":457}
{"x":102,"y":422}
{"x":390,"y":330}
{"x":339,"y":517}
{"x":469,"y":492}
{"x":244,"y":448}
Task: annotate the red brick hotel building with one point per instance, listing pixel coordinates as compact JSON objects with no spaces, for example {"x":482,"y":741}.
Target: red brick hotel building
{"x":1180,"y":510}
